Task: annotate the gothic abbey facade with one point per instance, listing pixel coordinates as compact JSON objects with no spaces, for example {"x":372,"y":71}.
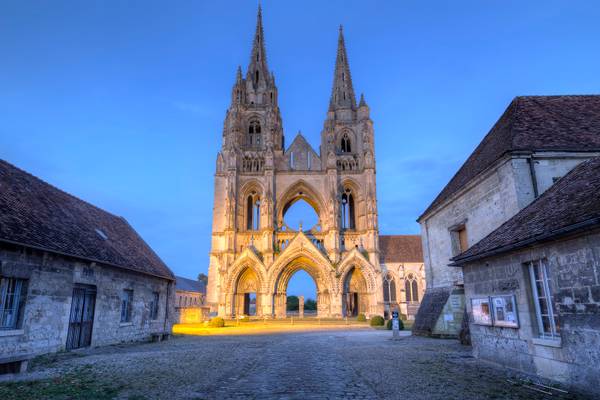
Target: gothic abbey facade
{"x":253,"y":252}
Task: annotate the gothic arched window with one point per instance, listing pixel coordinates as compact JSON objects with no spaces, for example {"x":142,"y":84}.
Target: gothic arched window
{"x":411,"y":287}
{"x":254,"y":133}
{"x":389,"y":289}
{"x":348,"y":210}
{"x":253,"y":212}
{"x":345,"y":144}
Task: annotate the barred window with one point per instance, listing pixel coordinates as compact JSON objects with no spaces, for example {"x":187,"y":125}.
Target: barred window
{"x":126,"y":305}
{"x":12,"y":293}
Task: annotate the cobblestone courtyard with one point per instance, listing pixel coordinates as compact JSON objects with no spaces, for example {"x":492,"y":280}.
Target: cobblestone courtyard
{"x":358,"y":364}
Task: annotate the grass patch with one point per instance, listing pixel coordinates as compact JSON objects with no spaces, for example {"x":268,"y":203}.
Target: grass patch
{"x":78,"y":384}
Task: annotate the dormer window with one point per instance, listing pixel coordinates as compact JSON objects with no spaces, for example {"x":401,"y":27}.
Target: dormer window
{"x":345,"y":144}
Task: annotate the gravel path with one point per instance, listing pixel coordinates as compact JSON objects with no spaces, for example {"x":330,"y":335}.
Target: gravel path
{"x":359,"y":364}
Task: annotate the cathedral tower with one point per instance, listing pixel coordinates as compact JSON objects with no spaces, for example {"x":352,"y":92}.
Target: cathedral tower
{"x":253,"y":251}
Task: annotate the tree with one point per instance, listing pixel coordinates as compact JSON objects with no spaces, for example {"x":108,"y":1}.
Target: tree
{"x":203,"y":278}
{"x":310,"y":305}
{"x":292,"y":303}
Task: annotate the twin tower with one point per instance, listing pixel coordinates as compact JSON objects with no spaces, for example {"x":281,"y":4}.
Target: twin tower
{"x":253,"y":252}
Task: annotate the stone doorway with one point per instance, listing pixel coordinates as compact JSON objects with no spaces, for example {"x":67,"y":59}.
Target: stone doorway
{"x":355,"y":295}
{"x":246,"y":299}
{"x":281,"y":286}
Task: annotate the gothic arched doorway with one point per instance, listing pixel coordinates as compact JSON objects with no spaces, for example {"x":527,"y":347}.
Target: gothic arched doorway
{"x":246,"y":299}
{"x":283,"y":279}
{"x":355,"y":295}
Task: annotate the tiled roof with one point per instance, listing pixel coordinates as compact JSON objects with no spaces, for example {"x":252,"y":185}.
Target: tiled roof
{"x":189,"y":285}
{"x":400,"y":248}
{"x":532,"y":123}
{"x":36,"y":214}
{"x":570,"y":204}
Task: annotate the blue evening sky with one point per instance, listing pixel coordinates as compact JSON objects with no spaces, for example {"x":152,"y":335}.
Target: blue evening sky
{"x":122,"y":103}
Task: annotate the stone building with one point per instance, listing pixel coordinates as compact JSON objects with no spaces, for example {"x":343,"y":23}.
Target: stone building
{"x":253,"y":252}
{"x":537,"y":140}
{"x":190,"y":301}
{"x":533,"y":285}
{"x":401,"y":256}
{"x":72,"y":275}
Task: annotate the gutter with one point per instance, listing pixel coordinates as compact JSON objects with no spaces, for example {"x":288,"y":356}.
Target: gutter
{"x":590,"y":223}
{"x":40,"y":248}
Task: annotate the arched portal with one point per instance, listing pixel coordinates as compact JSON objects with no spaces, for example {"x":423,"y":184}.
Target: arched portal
{"x":246,"y":298}
{"x":355,"y":294}
{"x":283,"y":279}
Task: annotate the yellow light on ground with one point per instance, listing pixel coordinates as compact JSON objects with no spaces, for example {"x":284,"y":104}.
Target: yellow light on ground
{"x":261,"y":327}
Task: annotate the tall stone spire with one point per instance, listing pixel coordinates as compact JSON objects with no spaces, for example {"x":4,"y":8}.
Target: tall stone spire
{"x":258,"y":71}
{"x":342,"y":94}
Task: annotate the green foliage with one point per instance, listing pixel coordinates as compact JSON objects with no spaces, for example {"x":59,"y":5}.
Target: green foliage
{"x":216,"y":322}
{"x":377,"y":320}
{"x":292,"y":303}
{"x":244,"y":318}
{"x":79,"y":384}
{"x":310,"y":305}
{"x":389,"y":324}
{"x":203,"y":278}
{"x":361,"y":317}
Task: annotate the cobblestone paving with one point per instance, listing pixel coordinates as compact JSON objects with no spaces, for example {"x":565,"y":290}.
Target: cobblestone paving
{"x":360,"y":364}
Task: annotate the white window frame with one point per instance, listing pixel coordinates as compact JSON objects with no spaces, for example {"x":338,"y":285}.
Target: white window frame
{"x":548,"y":295}
{"x":10,"y":302}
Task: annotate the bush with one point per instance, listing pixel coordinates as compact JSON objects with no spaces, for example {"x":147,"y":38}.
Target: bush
{"x":216,"y":322}
{"x":377,"y":320}
{"x":244,"y":318}
{"x":361,"y":317}
{"x":389,"y":324}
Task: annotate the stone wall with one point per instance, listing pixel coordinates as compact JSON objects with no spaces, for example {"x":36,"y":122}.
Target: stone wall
{"x":50,"y":280}
{"x":574,"y":268}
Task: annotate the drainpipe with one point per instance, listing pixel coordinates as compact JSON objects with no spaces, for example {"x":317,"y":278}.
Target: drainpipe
{"x":167,"y":307}
{"x":530,"y":161}
{"x":430,"y":277}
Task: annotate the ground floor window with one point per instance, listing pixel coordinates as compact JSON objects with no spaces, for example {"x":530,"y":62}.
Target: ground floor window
{"x":154,"y":306}
{"x":126,"y":305}
{"x":11,"y":301}
{"x":545,"y":309}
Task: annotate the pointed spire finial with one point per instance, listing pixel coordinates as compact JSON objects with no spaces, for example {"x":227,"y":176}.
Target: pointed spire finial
{"x":258,"y":69}
{"x":342,"y":94}
{"x":362,"y":102}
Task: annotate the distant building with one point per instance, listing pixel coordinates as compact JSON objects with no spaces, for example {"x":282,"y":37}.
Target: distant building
{"x":537,"y":140}
{"x":401,"y":257}
{"x":72,"y":275}
{"x":533,"y":285}
{"x":190,"y":304}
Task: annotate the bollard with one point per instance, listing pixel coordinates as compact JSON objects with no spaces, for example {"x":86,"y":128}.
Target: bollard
{"x":292,"y":320}
{"x":346,"y":320}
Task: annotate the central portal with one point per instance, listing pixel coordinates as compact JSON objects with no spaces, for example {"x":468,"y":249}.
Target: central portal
{"x":280,"y":293}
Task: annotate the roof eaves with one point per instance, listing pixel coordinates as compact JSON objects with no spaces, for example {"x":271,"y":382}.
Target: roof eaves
{"x":581,"y":226}
{"x":41,"y":248}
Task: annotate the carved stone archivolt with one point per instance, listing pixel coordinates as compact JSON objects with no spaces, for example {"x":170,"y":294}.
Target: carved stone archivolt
{"x":254,"y":253}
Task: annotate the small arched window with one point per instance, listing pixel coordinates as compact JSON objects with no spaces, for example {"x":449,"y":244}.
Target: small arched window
{"x":345,"y":144}
{"x":411,"y":287}
{"x":348,"y":220}
{"x":253,"y":212}
{"x":254,"y":134}
{"x":389,"y":289}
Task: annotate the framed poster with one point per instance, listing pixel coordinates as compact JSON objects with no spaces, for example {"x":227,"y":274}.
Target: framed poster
{"x":505,"y":311}
{"x":481,"y":311}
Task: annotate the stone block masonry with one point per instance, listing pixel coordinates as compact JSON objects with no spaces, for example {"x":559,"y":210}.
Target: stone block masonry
{"x":47,"y":295}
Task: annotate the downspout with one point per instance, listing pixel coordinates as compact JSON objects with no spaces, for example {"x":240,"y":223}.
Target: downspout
{"x":530,"y":161}
{"x":167,"y":306}
{"x":429,"y":253}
